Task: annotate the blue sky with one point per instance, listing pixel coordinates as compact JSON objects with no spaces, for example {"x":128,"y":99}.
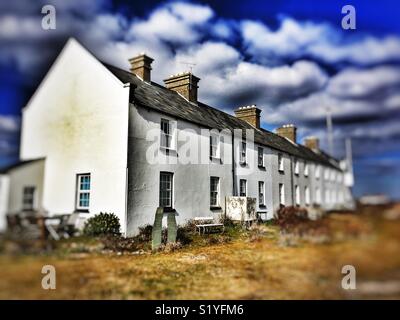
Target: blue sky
{"x":291,"y":58}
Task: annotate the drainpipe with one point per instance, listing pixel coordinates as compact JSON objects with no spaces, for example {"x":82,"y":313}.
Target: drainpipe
{"x":233,"y":166}
{"x":292,"y":179}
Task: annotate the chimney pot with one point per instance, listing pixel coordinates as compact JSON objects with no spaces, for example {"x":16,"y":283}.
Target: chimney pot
{"x":250,"y":114}
{"x":185,"y":84}
{"x":312,"y":143}
{"x":288,"y":131}
{"x":141,"y":66}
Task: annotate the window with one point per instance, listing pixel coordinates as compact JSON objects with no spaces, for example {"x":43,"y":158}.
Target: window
{"x":280,"y":162}
{"x":260,"y":157}
{"x":166,"y":134}
{"x":243,"y":188}
{"x":296,"y":167}
{"x":28,"y":198}
{"x":243,"y":152}
{"x":214,"y":191}
{"x":307,"y":195}
{"x":306,"y":169}
{"x":281,"y":194}
{"x":333,"y":173}
{"x":317,"y":171}
{"x":83,"y":192}
{"x":318,"y":196}
{"x":297,"y":194}
{"x":327,"y":196}
{"x":261,"y":192}
{"x":166,"y":189}
{"x":214,"y":146}
{"x":326,"y":174}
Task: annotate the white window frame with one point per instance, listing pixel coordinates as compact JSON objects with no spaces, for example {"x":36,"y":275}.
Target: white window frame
{"x":307,"y":196}
{"x":169,"y":190}
{"x":281,"y":190}
{"x":306,"y":169}
{"x":214,"y":146}
{"x":280,"y":163}
{"x":166,"y":134}
{"x":243,"y":182}
{"x":80,"y":191}
{"x":260,"y":157}
{"x":318,"y":195}
{"x":261,"y":193}
{"x":28,"y":198}
{"x":297,"y":195}
{"x":296,"y":167}
{"x":317,"y":171}
{"x":243,"y":152}
{"x":216,"y":192}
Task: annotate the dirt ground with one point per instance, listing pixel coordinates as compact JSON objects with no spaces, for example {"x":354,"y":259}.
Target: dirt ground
{"x":263,"y":265}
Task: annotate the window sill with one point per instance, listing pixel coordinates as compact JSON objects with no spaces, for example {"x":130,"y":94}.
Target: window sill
{"x":216,"y":208}
{"x":243,"y":163}
{"x":262,"y":206}
{"x":281,"y":171}
{"x":215,"y":160}
{"x":82,"y":210}
{"x":166,"y":209}
{"x":169,"y":151}
{"x":261,"y":167}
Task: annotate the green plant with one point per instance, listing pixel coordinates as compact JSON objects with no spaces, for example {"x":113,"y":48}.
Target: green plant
{"x":102,"y":224}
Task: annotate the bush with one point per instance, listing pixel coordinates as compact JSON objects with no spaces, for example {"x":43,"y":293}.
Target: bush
{"x":102,"y":224}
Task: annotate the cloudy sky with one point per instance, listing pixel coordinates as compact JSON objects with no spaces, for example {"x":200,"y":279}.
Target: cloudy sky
{"x":291,"y":58}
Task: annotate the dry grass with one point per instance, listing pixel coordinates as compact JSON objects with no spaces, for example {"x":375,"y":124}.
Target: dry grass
{"x":253,"y":266}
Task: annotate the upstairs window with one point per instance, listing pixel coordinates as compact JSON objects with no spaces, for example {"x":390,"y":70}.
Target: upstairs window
{"x":243,"y":152}
{"x":306,"y":169}
{"x":261,"y":194}
{"x":166,"y":134}
{"x":296,"y":167}
{"x":260,"y":157}
{"x":326,"y":174}
{"x":83,"y":192}
{"x":214,"y":191}
{"x":28,"y":198}
{"x":214,"y":146}
{"x":280,"y":162}
{"x":243,"y":188}
{"x":317,"y":171}
{"x":166,"y":189}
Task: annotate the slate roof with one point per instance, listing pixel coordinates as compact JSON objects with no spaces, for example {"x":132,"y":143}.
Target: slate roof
{"x":169,"y":102}
{"x":18,"y":164}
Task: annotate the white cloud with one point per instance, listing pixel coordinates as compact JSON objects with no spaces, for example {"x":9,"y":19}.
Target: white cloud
{"x":295,"y":39}
{"x":9,"y":124}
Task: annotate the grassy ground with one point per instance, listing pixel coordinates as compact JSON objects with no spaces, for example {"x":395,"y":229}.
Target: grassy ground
{"x":257,"y":264}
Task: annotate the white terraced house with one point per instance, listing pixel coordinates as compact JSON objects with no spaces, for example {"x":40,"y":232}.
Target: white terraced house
{"x":88,"y":146}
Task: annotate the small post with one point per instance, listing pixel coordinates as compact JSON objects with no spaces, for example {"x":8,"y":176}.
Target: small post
{"x":172,"y":228}
{"x":157,"y":229}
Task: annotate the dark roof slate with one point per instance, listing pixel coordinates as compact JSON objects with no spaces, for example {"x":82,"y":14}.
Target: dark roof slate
{"x":169,"y":102}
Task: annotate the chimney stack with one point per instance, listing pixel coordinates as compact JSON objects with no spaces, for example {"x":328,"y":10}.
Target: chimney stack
{"x":312,"y":143}
{"x":141,"y":66}
{"x":250,"y":114}
{"x":288,"y":131}
{"x":185,"y":84}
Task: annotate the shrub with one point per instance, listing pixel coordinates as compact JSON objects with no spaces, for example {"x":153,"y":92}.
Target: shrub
{"x":145,"y":232}
{"x":102,"y":224}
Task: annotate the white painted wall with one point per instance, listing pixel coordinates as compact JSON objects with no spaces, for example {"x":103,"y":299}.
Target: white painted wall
{"x":191,"y":181}
{"x":26,"y":175}
{"x":4,"y":192}
{"x":78,"y":120}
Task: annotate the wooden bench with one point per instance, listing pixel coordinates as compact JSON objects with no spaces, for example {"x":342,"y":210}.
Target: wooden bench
{"x":204,"y":224}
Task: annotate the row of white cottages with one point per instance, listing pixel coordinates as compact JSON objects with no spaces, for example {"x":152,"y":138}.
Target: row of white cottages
{"x":96,"y":138}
